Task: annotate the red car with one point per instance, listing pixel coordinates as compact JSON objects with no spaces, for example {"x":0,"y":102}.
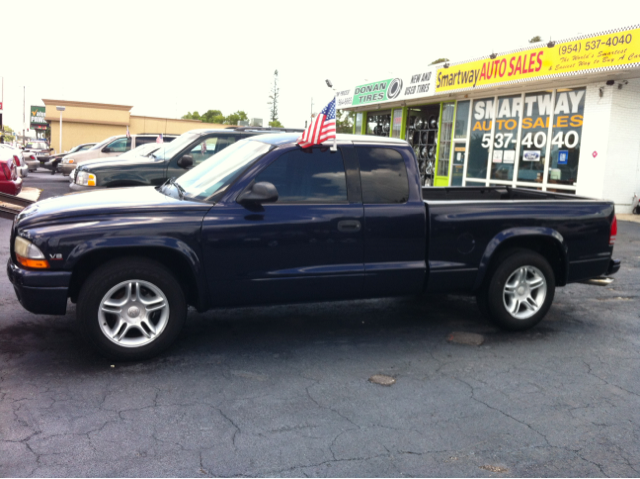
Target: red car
{"x":9,"y":181}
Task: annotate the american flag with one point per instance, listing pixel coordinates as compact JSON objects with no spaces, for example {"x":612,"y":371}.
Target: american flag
{"x":159,"y":139}
{"x":322,"y":128}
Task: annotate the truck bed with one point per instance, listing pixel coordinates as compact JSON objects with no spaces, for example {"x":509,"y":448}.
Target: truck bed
{"x":467,"y":225}
{"x":466,"y":193}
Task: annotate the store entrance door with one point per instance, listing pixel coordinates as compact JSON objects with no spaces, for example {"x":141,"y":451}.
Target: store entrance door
{"x":422,"y":135}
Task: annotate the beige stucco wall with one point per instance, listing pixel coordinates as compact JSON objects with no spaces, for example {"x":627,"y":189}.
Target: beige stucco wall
{"x":84,"y":122}
{"x":75,"y":133}
{"x":147,"y":124}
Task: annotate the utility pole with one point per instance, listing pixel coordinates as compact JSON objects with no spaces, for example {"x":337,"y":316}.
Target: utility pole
{"x":24,"y":102}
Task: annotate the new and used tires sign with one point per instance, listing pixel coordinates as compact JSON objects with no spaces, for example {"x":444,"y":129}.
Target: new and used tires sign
{"x":416,"y":85}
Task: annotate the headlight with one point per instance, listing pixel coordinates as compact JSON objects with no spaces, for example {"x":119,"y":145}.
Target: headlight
{"x":85,"y":179}
{"x":68,"y":160}
{"x":28,"y":254}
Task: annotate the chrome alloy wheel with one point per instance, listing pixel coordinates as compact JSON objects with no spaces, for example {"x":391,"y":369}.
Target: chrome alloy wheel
{"x":524,"y":292}
{"x":133,"y":313}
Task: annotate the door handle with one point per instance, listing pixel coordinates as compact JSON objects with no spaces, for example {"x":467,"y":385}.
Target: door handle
{"x":349,"y":226}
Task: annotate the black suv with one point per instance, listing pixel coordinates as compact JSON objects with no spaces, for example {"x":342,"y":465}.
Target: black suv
{"x":171,"y":161}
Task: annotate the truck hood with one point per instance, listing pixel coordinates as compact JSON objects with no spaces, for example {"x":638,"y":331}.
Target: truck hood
{"x":130,"y":202}
{"x":114,"y":162}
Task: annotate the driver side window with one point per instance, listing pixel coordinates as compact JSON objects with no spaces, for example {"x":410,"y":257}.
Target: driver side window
{"x":209,"y":147}
{"x":120,"y":145}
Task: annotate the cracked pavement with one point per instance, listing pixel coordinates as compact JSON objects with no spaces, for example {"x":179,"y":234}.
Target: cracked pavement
{"x":284,"y":391}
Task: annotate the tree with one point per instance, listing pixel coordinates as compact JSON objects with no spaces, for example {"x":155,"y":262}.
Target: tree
{"x":536,"y":39}
{"x":8,"y":134}
{"x":439,"y":60}
{"x":275,"y":93}
{"x":234,"y":118}
{"x":191,"y":116}
{"x":344,"y":123}
{"x":211,"y":116}
{"x":276,"y":124}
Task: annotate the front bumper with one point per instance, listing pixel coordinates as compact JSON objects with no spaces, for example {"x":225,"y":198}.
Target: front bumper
{"x":75,"y":187}
{"x":67,"y":168}
{"x":40,"y":292}
{"x":51,"y":165}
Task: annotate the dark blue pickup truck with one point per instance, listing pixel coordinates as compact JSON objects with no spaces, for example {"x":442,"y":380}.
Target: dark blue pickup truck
{"x":265,"y":221}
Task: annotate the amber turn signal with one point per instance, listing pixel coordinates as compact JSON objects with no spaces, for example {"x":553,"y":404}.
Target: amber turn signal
{"x":32,"y":263}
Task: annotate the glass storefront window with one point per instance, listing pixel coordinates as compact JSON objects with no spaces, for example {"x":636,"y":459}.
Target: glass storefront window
{"x":505,"y":138}
{"x":462,"y":119}
{"x":359,"y":123}
{"x":446,"y":127}
{"x":565,"y":139}
{"x":379,"y":123}
{"x":533,"y":139}
{"x":397,"y":123}
{"x":480,"y":138}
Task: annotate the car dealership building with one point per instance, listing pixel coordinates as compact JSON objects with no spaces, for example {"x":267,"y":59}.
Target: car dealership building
{"x":560,"y":116}
{"x":86,"y":122}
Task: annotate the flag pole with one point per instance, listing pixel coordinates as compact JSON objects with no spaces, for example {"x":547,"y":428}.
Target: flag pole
{"x":335,"y":145}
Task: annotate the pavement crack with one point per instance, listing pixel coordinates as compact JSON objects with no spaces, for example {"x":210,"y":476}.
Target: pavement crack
{"x":237,"y":428}
{"x":502,"y":412}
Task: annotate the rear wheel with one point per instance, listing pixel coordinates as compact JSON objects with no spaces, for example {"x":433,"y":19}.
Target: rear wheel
{"x":131,"y":309}
{"x":519,"y":291}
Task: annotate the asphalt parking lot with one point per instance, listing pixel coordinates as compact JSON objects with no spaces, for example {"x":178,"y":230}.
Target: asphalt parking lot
{"x":285,"y":391}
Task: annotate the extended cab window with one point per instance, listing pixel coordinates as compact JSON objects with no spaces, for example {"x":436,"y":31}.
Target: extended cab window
{"x":143,"y":140}
{"x":311,"y":176}
{"x":383,"y":175}
{"x":120,"y":145}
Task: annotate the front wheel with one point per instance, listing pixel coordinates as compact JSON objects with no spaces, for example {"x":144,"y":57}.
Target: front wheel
{"x":131,"y":309}
{"x":520,"y":290}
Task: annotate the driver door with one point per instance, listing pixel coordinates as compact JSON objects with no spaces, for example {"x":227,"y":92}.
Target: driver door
{"x":307,"y":246}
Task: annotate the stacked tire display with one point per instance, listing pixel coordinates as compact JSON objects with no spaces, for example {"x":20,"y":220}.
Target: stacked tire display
{"x":422,"y":135}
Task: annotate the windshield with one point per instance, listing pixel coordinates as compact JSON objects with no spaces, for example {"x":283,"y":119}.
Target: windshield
{"x":167,"y":150}
{"x":37,"y":145}
{"x":219,"y":171}
{"x":142,"y":150}
{"x":97,"y":146}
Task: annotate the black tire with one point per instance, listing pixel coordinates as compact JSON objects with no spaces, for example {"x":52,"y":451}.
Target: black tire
{"x":149,"y":284}
{"x":524,"y":303}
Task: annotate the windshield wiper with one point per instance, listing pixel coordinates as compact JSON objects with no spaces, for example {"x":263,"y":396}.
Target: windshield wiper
{"x":180,"y":189}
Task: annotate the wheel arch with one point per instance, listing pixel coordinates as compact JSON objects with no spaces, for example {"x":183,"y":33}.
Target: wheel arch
{"x":181,"y":266}
{"x":546,"y":241}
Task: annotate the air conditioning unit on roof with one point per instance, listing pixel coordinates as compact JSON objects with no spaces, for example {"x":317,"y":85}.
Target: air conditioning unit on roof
{"x":243,"y":123}
{"x":255,"y":122}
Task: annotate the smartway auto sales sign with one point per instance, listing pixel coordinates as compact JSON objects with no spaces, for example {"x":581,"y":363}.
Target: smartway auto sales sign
{"x":419,"y":84}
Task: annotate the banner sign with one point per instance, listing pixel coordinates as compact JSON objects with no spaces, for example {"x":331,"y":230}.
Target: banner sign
{"x":419,"y":84}
{"x":37,"y":118}
{"x":611,"y":51}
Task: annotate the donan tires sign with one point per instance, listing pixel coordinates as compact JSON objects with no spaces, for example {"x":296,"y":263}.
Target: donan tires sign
{"x":418,"y":84}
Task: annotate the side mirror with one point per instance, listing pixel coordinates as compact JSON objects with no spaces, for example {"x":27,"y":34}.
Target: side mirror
{"x":263,"y":192}
{"x":106,"y":149}
{"x":186,"y":161}
{"x":51,"y":149}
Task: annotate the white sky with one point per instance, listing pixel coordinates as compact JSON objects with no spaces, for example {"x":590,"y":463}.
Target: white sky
{"x":168,"y":58}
